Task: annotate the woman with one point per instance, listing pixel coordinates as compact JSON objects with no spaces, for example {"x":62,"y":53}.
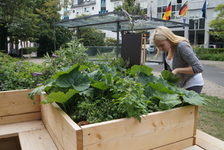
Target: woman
{"x":179,"y":58}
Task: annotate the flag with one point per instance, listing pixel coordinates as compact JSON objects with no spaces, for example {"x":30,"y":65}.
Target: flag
{"x":167,"y":14}
{"x":204,"y":10}
{"x":184,"y":9}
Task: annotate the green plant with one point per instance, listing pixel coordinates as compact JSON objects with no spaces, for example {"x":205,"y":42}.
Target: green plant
{"x":96,"y":93}
{"x":28,"y":50}
{"x":16,"y":74}
{"x":72,"y":53}
{"x":216,"y":54}
{"x":110,"y":42}
{"x":91,"y":37}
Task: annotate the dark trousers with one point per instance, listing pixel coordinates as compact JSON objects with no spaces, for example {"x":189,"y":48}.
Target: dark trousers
{"x":197,"y":89}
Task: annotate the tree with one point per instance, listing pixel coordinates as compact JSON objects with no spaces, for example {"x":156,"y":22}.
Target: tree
{"x":91,"y":37}
{"x":218,"y":23}
{"x":12,"y":19}
{"x":31,"y":20}
{"x":52,"y":40}
{"x":131,"y":7}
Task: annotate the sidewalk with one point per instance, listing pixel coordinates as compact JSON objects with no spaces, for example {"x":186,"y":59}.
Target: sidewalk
{"x":218,"y":64}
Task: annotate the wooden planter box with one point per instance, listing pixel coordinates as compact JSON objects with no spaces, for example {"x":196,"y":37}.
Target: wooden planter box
{"x":172,"y":129}
{"x":48,"y":127}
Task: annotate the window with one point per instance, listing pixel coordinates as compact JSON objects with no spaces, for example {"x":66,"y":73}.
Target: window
{"x":202,"y":23}
{"x":178,"y":7}
{"x":173,"y":7}
{"x":164,"y":8}
{"x":159,"y":9}
{"x":145,"y":10}
{"x":92,"y":8}
{"x":73,"y":11}
{"x":84,"y":9}
{"x":172,"y":15}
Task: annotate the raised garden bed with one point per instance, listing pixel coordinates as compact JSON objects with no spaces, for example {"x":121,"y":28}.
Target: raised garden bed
{"x":172,"y":129}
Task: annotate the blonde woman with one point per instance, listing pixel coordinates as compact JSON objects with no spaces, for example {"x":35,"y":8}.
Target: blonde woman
{"x":179,"y":58}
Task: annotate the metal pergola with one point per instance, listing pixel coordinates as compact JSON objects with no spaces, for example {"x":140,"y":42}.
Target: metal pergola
{"x":118,"y":21}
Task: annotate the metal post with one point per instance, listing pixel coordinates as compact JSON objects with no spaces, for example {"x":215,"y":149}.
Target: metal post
{"x":118,"y":41}
{"x":78,"y":33}
{"x":195,"y":32}
{"x":206,"y":34}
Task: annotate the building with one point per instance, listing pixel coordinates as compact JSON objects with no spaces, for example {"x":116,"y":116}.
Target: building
{"x":88,"y":7}
{"x":197,"y":32}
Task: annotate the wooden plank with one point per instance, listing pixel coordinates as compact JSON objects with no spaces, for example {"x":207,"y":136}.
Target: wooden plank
{"x":167,"y":126}
{"x":66,"y":134}
{"x":177,"y":145}
{"x":195,"y":147}
{"x":13,"y":129}
{"x":20,"y":118}
{"x":17,"y":102}
{"x":195,"y":123}
{"x":208,"y":142}
{"x":36,"y":140}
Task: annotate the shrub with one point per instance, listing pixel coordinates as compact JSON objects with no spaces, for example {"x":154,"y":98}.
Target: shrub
{"x":110,"y":42}
{"x":94,"y":50}
{"x":216,"y":54}
{"x":28,"y":50}
{"x":72,"y":53}
{"x":16,"y":74}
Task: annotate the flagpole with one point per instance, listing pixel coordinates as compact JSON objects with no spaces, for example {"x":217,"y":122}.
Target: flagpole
{"x":206,"y":28}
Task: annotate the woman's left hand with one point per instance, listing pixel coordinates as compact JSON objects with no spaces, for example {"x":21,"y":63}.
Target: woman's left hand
{"x":175,"y":71}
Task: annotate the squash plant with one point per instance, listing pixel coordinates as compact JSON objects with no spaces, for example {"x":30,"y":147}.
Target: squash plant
{"x":95,"y":93}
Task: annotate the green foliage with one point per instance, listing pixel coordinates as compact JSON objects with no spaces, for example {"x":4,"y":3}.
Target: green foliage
{"x":92,"y":37}
{"x":16,"y":74}
{"x":52,"y":40}
{"x":218,"y":23}
{"x":72,"y":53}
{"x":96,"y":93}
{"x":131,"y":7}
{"x":167,"y":75}
{"x":209,"y":50}
{"x":110,"y":42}
{"x":216,"y":54}
{"x":28,"y":50}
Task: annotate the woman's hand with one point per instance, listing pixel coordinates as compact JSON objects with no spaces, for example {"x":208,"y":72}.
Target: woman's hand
{"x":175,"y":71}
{"x":186,"y":70}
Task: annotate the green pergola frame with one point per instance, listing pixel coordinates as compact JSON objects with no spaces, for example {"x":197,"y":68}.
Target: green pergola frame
{"x":119,"y":21}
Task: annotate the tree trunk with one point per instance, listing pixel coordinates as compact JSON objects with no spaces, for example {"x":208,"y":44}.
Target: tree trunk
{"x":3,"y":39}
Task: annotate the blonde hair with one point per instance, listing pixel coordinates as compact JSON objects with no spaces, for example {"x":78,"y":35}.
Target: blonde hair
{"x":164,"y":33}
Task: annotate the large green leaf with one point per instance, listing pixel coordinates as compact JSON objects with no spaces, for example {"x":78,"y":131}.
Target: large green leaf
{"x":169,"y":101}
{"x":100,"y":85}
{"x":160,"y":87}
{"x":60,"y":97}
{"x":144,"y":79}
{"x":137,"y":69}
{"x":193,"y":98}
{"x":171,"y":78}
{"x":74,"y":79}
{"x":66,"y":70}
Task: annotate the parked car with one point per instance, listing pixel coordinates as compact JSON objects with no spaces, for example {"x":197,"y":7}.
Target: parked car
{"x":151,"y":49}
{"x":212,"y":46}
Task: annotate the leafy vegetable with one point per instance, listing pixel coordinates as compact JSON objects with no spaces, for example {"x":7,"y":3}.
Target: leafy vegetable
{"x":96,"y":93}
{"x":171,"y":78}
